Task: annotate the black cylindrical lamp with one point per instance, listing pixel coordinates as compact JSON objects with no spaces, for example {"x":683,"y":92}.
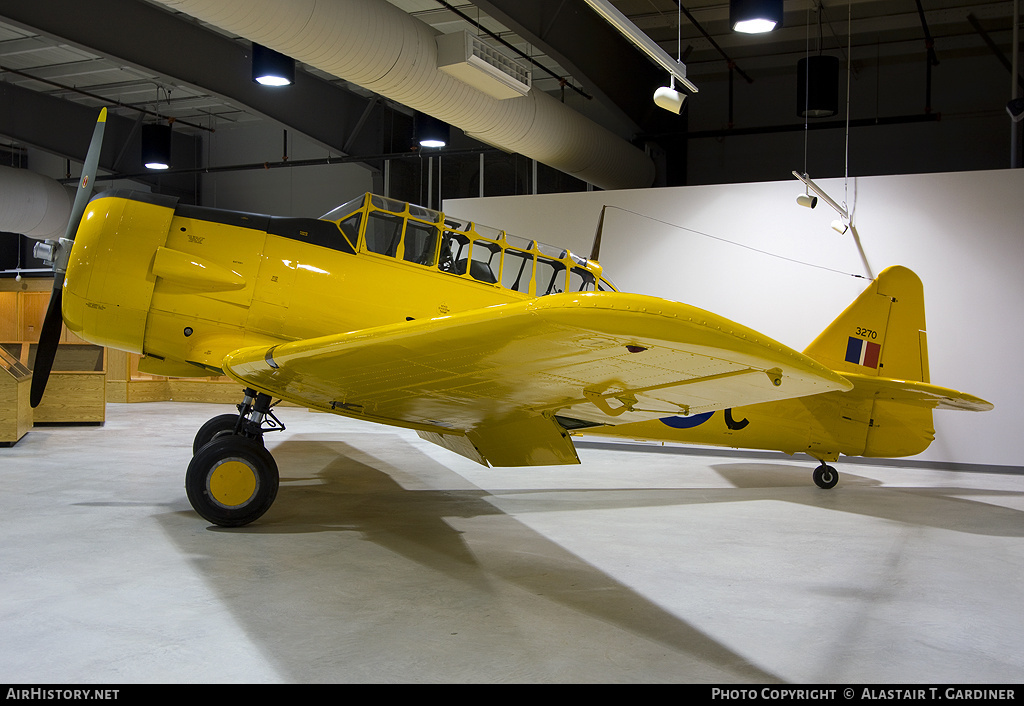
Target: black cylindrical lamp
{"x":271,"y":68}
{"x":429,"y":131}
{"x":817,"y":86}
{"x":755,"y":16}
{"x":156,"y":146}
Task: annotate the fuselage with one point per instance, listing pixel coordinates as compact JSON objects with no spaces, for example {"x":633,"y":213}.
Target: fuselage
{"x":185,"y":286}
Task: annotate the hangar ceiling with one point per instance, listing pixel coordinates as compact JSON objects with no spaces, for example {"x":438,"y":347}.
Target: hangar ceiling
{"x":61,"y":59}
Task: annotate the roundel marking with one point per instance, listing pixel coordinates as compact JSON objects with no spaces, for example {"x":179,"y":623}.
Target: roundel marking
{"x":686,"y":422}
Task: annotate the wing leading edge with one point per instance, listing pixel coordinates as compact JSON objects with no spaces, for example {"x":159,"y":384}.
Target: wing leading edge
{"x":501,"y":384}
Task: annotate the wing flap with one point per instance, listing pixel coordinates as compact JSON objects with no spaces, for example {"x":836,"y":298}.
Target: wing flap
{"x":604,"y":358}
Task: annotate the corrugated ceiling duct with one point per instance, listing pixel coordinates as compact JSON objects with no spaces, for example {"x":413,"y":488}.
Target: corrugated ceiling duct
{"x":377,"y":46}
{"x":32,"y":204}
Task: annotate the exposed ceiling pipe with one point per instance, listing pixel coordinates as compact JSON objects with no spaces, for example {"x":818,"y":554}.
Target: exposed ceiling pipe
{"x":373,"y":44}
{"x":32,"y":204}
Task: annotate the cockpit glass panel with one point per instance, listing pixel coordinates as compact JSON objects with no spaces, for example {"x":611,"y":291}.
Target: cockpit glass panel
{"x":517,"y":271}
{"x":454,"y":253}
{"x":550,"y":276}
{"x":517,"y":242}
{"x":383,"y":233}
{"x":456,"y":224}
{"x":386,"y":204}
{"x":421,"y":243}
{"x":344,"y":209}
{"x":604,"y":285}
{"x":581,"y":280}
{"x":350,"y":228}
{"x":487,"y":231}
{"x":426,"y":214}
{"x":551,"y":251}
{"x":486,"y":261}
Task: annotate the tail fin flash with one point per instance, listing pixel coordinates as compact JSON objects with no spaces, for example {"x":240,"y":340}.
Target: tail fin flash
{"x":882,"y":333}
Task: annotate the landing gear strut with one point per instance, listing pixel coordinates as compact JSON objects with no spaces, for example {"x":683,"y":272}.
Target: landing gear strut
{"x":232,"y":479}
{"x":825,"y":476}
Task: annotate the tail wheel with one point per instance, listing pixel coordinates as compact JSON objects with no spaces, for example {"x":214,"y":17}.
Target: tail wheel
{"x":232,"y":481}
{"x":825,"y":476}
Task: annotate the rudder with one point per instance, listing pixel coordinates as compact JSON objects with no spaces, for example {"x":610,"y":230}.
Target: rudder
{"x":882,"y":333}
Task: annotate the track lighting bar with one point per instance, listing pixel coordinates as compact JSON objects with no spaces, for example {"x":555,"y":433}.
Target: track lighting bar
{"x":642,"y":42}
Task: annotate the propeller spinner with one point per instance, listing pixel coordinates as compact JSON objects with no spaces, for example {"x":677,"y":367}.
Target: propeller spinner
{"x":59,"y":253}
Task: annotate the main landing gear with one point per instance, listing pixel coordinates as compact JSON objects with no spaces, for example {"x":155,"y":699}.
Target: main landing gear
{"x":825,"y":476}
{"x":232,"y":479}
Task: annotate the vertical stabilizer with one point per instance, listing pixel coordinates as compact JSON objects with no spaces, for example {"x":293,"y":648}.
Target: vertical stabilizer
{"x":882,"y":333}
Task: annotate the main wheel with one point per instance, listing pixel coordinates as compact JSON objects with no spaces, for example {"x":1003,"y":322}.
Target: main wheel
{"x":221,"y":425}
{"x":232,"y":481}
{"x":825,"y":476}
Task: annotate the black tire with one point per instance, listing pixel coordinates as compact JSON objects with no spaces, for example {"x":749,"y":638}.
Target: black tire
{"x":221,"y":425}
{"x":825,"y":476}
{"x":232,"y":481}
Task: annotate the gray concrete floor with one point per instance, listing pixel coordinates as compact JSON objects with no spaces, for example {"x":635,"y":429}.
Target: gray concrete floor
{"x":386,"y":559}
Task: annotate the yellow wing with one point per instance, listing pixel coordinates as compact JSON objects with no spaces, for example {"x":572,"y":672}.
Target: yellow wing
{"x":502,"y":384}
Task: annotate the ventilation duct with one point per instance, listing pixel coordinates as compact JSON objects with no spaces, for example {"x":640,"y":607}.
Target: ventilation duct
{"x":375,"y":45}
{"x":32,"y":204}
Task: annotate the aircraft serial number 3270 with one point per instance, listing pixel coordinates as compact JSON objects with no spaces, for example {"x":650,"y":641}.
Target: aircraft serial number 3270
{"x":497,"y":348}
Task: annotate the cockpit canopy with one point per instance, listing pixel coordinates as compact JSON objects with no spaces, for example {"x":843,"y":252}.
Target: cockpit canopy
{"x":428,"y":238}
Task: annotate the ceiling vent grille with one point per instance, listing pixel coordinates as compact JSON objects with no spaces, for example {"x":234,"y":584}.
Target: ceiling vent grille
{"x":474,"y":62}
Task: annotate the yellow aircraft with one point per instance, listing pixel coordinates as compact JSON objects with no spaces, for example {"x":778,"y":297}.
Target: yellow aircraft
{"x":493,"y":346}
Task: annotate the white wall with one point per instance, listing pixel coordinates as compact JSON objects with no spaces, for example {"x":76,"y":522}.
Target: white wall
{"x":963,"y":233}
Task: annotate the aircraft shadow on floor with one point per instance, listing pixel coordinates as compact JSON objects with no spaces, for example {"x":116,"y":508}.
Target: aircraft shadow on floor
{"x":939,"y":507}
{"x":451,"y":531}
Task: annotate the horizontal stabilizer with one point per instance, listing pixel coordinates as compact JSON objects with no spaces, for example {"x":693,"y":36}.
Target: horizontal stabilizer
{"x":918,"y":394}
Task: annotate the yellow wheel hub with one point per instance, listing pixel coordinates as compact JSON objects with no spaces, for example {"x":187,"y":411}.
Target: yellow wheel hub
{"x":232,"y":483}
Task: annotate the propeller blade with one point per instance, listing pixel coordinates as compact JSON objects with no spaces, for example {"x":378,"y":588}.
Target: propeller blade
{"x":49,"y":337}
{"x":92,"y":160}
{"x":595,"y":250}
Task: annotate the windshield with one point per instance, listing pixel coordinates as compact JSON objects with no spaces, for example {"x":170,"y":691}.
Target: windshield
{"x":336,"y":214}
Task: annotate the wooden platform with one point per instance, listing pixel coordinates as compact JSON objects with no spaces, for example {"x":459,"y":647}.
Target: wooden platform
{"x":76,"y":389}
{"x":15,"y":410}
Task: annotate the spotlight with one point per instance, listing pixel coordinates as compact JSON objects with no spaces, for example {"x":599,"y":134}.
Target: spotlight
{"x":755,"y":16}
{"x":807,"y":200}
{"x":669,"y":98}
{"x":840,"y":226}
{"x":156,"y":146}
{"x":430,"y":131}
{"x":270,"y":68}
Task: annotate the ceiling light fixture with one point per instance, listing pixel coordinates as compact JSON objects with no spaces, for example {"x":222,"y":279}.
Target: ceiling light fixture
{"x":429,"y":131}
{"x":755,"y":16}
{"x":156,"y":146}
{"x":817,"y":86}
{"x":807,"y":200}
{"x":641,"y":41}
{"x":669,"y":98}
{"x":271,"y":68}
